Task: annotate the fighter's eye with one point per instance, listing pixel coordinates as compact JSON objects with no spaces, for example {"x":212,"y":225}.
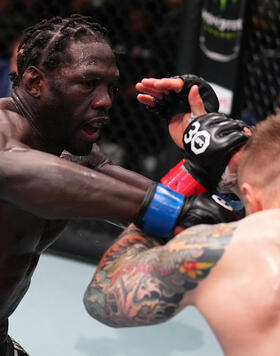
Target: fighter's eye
{"x":113,"y":89}
{"x":89,"y":83}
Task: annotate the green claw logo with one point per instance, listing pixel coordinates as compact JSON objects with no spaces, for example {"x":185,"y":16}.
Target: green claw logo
{"x":223,"y":3}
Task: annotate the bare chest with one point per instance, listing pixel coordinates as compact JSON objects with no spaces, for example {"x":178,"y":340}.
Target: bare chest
{"x":23,"y":238}
{"x":23,"y":233}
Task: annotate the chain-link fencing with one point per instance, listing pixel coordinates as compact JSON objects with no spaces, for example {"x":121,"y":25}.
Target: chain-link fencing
{"x":146,"y":35}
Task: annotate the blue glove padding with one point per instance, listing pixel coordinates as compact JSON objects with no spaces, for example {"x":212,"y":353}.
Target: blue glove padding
{"x":159,"y":211}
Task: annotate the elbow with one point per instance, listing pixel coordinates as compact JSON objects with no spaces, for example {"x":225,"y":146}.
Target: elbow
{"x":97,"y":310}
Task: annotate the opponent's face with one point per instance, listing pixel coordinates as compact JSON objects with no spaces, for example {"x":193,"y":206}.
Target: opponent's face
{"x":79,"y":94}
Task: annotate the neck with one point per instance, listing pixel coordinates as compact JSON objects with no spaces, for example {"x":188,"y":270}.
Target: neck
{"x":41,"y":137}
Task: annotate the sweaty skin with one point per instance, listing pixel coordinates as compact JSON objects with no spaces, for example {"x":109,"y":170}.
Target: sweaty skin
{"x":52,"y":114}
{"x":138,"y":282}
{"x":48,"y":116}
{"x":38,"y":190}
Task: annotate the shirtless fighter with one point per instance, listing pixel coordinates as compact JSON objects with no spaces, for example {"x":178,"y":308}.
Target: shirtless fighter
{"x":229,"y":271}
{"x":66,"y":71}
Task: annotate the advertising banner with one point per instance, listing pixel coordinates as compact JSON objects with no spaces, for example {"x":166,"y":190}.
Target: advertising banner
{"x":222,"y":24}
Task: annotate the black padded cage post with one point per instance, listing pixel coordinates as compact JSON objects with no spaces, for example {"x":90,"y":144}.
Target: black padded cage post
{"x":189,"y":36}
{"x":185,"y":62}
{"x":219,"y":46}
{"x":211,"y":47}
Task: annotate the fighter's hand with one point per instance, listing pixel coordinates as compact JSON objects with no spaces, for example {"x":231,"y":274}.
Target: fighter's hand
{"x":153,"y":90}
{"x":205,"y":209}
{"x":163,"y":210}
{"x":180,"y":122}
{"x":176,"y":99}
{"x":210,"y":141}
{"x":168,"y":96}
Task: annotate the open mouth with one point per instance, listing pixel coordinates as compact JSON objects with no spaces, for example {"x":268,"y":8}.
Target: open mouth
{"x":92,"y":129}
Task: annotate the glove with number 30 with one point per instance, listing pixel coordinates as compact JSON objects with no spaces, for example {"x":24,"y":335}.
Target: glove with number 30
{"x":210,"y":141}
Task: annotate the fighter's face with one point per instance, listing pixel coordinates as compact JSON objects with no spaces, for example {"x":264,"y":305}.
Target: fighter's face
{"x":79,"y":94}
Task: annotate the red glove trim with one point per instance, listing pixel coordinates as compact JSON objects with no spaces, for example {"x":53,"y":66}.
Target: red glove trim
{"x":179,"y":180}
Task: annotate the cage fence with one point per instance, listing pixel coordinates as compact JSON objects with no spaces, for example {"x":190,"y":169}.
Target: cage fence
{"x":258,"y":91}
{"x":146,"y":36}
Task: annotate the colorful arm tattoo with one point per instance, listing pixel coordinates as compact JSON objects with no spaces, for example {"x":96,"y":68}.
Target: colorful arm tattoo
{"x":139,"y":282}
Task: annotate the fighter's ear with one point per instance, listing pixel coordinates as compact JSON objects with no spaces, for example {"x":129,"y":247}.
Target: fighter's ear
{"x":250,"y":198}
{"x":33,"y":80}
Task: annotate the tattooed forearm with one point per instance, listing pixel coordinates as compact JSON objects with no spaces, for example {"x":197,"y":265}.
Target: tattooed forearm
{"x":146,"y":285}
{"x":115,"y":263}
{"x":130,"y":243}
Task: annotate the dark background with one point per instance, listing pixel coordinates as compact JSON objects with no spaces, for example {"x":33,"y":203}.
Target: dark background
{"x":155,"y":38}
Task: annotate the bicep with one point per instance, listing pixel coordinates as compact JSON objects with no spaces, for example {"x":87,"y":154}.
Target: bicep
{"x":105,"y":166}
{"x":156,"y":284}
{"x":127,"y":176}
{"x":99,"y":161}
{"x":197,"y":250}
{"x":164,"y":278}
{"x":133,"y":294}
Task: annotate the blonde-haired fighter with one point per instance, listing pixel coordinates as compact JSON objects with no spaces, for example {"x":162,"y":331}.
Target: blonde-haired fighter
{"x":229,"y":271}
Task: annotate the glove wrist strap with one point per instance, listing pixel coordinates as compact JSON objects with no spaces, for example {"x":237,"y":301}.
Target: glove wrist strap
{"x":162,"y":212}
{"x":179,"y":180}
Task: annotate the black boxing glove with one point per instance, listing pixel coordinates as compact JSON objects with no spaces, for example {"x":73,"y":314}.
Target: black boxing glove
{"x":205,"y":209}
{"x":162,"y":209}
{"x":175,"y":103}
{"x":210,"y":141}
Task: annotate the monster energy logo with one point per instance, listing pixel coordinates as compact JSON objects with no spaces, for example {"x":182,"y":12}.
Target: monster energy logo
{"x":220,"y":23}
{"x":223,"y":3}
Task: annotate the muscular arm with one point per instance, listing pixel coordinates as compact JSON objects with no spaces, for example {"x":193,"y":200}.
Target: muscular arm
{"x":99,"y":161}
{"x":138,"y":282}
{"x":51,"y":187}
{"x":126,"y":176}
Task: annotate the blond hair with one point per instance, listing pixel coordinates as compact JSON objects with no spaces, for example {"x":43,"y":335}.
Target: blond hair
{"x":259,"y":163}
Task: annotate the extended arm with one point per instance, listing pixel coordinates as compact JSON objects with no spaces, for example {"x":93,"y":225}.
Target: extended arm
{"x":138,"y":282}
{"x":50,"y":187}
{"x":99,"y":161}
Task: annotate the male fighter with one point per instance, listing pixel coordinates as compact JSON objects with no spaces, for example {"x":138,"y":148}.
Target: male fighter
{"x":229,"y":271}
{"x":66,"y":70}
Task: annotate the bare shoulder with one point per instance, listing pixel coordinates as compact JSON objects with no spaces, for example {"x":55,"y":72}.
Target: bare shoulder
{"x":12,"y":124}
{"x":96,"y":159}
{"x":245,"y":278}
{"x":260,"y":227}
{"x":250,"y":254}
{"x":258,"y":240}
{"x":13,"y":127}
